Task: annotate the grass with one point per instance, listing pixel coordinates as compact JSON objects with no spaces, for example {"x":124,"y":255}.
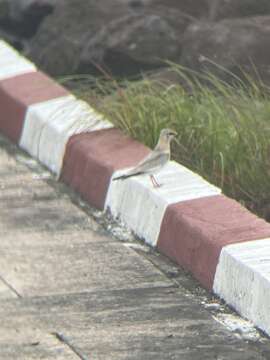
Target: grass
{"x":224,"y":130}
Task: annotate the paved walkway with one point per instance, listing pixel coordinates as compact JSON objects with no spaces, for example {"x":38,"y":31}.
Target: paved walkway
{"x":69,"y":290}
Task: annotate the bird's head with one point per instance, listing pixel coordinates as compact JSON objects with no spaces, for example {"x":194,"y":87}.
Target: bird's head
{"x":167,"y":134}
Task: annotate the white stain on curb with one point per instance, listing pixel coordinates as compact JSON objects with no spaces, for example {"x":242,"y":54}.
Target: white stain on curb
{"x":242,"y":328}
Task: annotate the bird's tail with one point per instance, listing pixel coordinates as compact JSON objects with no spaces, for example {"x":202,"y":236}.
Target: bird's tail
{"x":125,"y":176}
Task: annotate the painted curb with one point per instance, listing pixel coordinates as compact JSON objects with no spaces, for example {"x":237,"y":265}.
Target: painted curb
{"x":224,"y":246}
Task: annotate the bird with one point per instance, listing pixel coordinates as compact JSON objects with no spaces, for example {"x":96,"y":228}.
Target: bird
{"x":155,"y":160}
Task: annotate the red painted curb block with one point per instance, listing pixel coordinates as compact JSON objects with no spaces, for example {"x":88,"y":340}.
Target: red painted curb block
{"x":91,"y":159}
{"x":19,"y":92}
{"x":194,"y":232}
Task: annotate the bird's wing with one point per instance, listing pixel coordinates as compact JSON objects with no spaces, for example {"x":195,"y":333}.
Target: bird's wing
{"x":151,"y":162}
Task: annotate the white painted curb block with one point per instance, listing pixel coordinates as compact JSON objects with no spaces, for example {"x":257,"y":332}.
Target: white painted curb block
{"x":12,"y":63}
{"x":243,"y":280}
{"x":141,"y":207}
{"x":49,"y":125}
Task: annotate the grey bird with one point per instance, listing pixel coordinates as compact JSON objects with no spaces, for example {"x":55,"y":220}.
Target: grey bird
{"x":154,"y":161}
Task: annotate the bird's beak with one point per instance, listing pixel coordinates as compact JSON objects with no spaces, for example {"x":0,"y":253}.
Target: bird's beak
{"x":173,"y":133}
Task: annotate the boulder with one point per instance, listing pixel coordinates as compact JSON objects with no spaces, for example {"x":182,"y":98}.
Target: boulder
{"x":95,"y":36}
{"x":231,"y":45}
{"x":17,"y":42}
{"x":25,"y":16}
{"x":133,"y":43}
{"x":5,"y":34}
{"x":4,"y":10}
{"x":22,"y":18}
{"x":21,"y":8}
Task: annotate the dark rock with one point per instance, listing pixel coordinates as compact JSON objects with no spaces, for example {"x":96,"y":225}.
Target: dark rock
{"x":96,"y":36}
{"x":21,"y":8}
{"x":63,"y":35}
{"x":23,"y":17}
{"x":233,"y":45}
{"x":4,"y":10}
{"x":130,"y":36}
{"x":17,"y":42}
{"x":133,"y":43}
{"x":220,"y":9}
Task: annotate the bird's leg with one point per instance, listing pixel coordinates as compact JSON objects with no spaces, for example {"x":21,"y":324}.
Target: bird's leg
{"x":154,"y":181}
{"x":157,"y":183}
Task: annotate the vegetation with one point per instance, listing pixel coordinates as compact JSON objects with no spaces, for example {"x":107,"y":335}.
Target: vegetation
{"x":224,"y":129}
